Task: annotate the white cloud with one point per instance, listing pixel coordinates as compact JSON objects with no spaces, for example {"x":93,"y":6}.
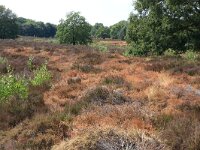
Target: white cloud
{"x":105,"y":11}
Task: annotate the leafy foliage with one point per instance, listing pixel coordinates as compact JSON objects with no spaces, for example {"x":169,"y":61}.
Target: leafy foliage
{"x":100,"y":47}
{"x":3,"y":60}
{"x":28,"y":27}
{"x":160,"y":25}
{"x":14,"y":85}
{"x":135,"y":51}
{"x":100,"y":31}
{"x":30,"y":62}
{"x":11,"y":85}
{"x":118,"y":30}
{"x":191,"y":55}
{"x":41,"y":76}
{"x":8,"y":25}
{"x":74,"y":30}
{"x":170,"y":52}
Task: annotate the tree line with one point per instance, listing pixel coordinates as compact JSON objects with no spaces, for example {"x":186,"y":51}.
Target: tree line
{"x":11,"y":26}
{"x":27,"y":27}
{"x":155,"y":27}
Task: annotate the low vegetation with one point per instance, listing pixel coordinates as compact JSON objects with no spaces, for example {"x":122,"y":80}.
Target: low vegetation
{"x":57,"y":104}
{"x":18,"y":85}
{"x":41,"y":76}
{"x":86,"y":89}
{"x":11,"y":85}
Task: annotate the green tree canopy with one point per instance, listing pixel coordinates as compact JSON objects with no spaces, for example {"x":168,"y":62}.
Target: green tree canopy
{"x":162,"y":24}
{"x":8,"y":25}
{"x":28,"y":27}
{"x":118,"y":30}
{"x":74,"y":30}
{"x":100,"y":31}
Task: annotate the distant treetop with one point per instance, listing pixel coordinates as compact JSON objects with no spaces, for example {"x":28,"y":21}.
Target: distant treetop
{"x":8,"y":25}
{"x":74,"y":30}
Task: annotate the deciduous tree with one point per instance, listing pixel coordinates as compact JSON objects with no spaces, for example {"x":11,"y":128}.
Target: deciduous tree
{"x":8,"y":25}
{"x":74,"y":30}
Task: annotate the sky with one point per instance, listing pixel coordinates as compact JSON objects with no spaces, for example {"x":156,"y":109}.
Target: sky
{"x":107,"y":12}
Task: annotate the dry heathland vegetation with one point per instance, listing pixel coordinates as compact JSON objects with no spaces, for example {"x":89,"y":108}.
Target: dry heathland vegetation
{"x":94,"y":98}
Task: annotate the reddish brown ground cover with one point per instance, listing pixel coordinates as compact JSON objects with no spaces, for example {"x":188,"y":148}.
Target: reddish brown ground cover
{"x":147,"y":95}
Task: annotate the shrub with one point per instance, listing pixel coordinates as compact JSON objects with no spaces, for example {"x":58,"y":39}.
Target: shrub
{"x":30,"y":62}
{"x":91,"y":59}
{"x":111,"y":140}
{"x":11,"y":85}
{"x":162,"y":120}
{"x":191,"y":55}
{"x":3,"y":60}
{"x":133,"y":51}
{"x":86,"y":68}
{"x":114,"y":80}
{"x":183,"y":132}
{"x":76,"y":108}
{"x":100,"y":47}
{"x":170,"y":52}
{"x":41,"y":76}
{"x":97,"y":95}
{"x":102,"y":95}
{"x":3,"y":65}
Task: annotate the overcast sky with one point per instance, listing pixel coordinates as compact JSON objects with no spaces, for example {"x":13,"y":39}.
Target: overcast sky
{"x":107,"y":12}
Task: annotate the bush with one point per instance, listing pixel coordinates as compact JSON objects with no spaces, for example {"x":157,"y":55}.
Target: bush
{"x":30,"y":63}
{"x":133,"y":51}
{"x":3,"y":60}
{"x":114,"y":80}
{"x":170,"y":52}
{"x":41,"y":76}
{"x":162,"y":120}
{"x":102,"y":95}
{"x":11,"y":85}
{"x":191,"y":55}
{"x":86,"y":68}
{"x":100,"y":47}
{"x":111,"y":140}
{"x":183,"y":132}
{"x":3,"y":65}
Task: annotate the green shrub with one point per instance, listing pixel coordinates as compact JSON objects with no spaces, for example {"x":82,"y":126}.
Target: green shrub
{"x":30,"y":62}
{"x":170,"y":52}
{"x":191,"y":55}
{"x":100,"y":47}
{"x":3,"y":60}
{"x":4,"y":67}
{"x":41,"y":76}
{"x":132,"y":51}
{"x":11,"y":85}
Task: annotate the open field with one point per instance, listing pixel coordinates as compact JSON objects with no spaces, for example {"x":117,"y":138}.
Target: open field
{"x":101,"y":100}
